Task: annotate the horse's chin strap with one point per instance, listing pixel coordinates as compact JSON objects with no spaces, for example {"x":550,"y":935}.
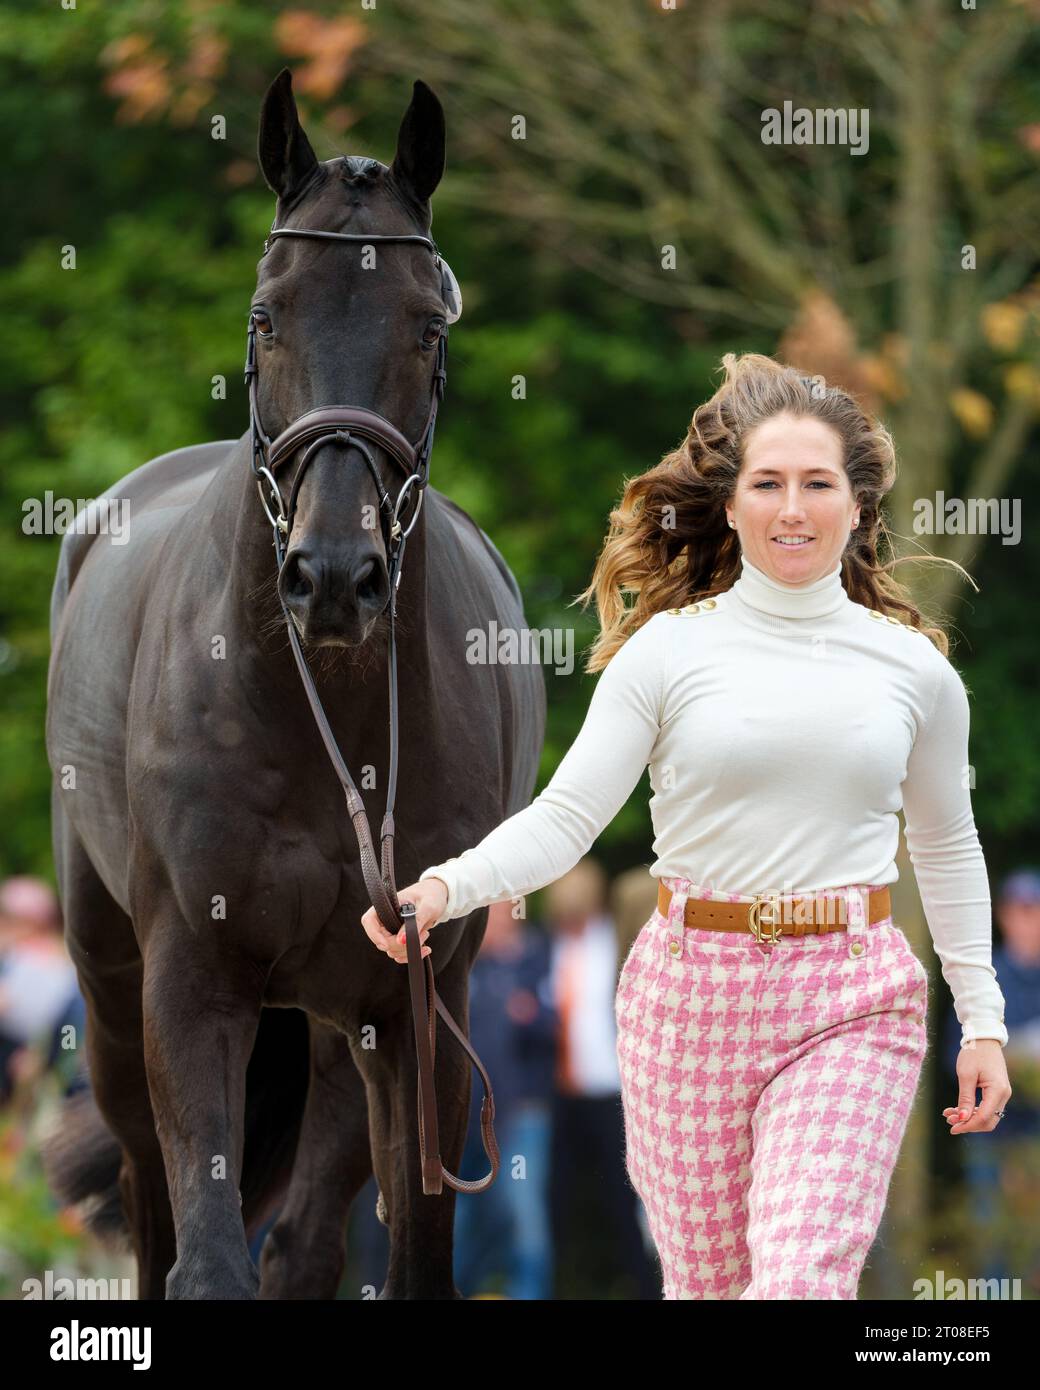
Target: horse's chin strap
{"x":349,"y":426}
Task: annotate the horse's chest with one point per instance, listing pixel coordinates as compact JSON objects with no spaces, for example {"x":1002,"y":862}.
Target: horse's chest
{"x":240,"y":841}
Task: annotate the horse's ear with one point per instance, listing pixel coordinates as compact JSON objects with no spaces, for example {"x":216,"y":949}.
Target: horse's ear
{"x":285,"y":153}
{"x":419,"y":162}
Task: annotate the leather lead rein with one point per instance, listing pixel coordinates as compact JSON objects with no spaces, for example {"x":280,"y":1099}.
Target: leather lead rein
{"x":349,"y":426}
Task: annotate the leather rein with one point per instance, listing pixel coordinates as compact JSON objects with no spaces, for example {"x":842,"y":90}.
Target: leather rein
{"x":350,"y":426}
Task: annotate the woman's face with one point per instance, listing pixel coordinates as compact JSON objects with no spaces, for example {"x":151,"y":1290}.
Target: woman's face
{"x":793,"y":484}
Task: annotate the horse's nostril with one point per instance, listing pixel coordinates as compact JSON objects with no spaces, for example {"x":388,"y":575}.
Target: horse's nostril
{"x":366,"y":582}
{"x":300,"y":580}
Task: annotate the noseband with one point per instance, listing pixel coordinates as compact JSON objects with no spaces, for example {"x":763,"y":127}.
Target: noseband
{"x":351,"y":426}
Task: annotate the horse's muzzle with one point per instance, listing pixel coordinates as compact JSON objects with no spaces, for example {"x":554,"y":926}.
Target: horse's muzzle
{"x":334,"y":600}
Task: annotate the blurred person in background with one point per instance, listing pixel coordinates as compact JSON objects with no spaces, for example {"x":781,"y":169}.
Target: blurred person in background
{"x":1000,"y":1167}
{"x":39,"y":993}
{"x":588,"y":1122}
{"x":502,"y":1235}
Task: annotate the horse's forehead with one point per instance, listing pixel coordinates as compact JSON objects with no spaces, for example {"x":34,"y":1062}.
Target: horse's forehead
{"x":353,"y":189}
{"x":339,"y":205}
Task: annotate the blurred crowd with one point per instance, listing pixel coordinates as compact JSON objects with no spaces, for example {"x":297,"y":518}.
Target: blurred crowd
{"x":1002,"y":1168}
{"x":41,"y":1009}
{"x":561,"y":1220}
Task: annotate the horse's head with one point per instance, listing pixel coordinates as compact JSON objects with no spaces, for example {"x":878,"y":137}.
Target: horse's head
{"x":345,"y":323}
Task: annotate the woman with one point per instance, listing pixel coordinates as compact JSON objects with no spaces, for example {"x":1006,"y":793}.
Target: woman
{"x":770,"y":1046}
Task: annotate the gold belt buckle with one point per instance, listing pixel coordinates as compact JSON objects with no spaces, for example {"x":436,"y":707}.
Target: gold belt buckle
{"x":759,"y":927}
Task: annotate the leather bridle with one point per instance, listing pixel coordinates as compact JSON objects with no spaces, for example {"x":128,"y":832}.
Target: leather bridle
{"x":350,"y":426}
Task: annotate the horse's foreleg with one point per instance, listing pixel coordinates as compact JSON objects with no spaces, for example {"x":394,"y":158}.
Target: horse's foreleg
{"x":304,"y":1253}
{"x":200,"y":1022}
{"x":121,"y":1092}
{"x":101,"y":941}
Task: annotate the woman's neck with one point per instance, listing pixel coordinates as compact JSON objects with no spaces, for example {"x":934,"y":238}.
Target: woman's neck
{"x":762,"y":592}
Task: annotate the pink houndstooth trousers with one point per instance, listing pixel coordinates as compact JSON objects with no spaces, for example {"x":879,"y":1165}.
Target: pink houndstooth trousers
{"x":766,"y":1091}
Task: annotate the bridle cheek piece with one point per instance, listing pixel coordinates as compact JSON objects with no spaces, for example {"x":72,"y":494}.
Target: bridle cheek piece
{"x":351,"y":426}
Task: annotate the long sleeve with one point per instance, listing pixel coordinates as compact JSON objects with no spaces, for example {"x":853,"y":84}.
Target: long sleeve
{"x":596,"y":777}
{"x":948,"y":861}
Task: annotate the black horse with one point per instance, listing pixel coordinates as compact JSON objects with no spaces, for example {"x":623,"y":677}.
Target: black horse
{"x":241,"y":1026}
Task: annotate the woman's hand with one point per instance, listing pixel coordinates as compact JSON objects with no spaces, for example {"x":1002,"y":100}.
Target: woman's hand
{"x":981,"y":1065}
{"x":430,"y":898}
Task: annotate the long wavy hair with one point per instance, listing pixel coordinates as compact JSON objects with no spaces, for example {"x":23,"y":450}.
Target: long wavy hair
{"x":669,"y":542}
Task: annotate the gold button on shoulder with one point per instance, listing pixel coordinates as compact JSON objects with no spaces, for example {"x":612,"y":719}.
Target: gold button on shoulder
{"x":880,"y":617}
{"x":890,"y":619}
{"x":856,"y":948}
{"x":675,"y":947}
{"x":692,"y":609}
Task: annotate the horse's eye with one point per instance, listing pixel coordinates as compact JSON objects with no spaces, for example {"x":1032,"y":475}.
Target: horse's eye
{"x":264,"y":326}
{"x":433,"y":332}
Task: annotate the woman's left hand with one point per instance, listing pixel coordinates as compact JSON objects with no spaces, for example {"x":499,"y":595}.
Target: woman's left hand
{"x":979,"y":1064}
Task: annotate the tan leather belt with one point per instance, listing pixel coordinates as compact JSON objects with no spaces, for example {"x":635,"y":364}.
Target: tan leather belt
{"x":771,"y":915}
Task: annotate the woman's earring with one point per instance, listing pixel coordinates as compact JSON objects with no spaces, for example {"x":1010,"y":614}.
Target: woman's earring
{"x":732,"y":523}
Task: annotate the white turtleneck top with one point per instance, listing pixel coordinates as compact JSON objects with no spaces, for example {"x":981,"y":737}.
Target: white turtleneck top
{"x":784,"y":728}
